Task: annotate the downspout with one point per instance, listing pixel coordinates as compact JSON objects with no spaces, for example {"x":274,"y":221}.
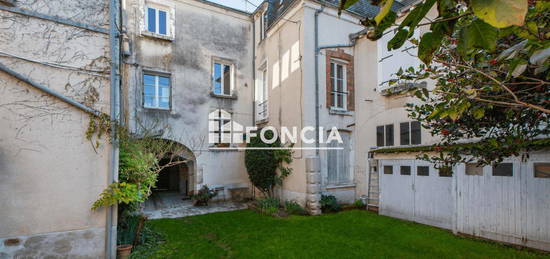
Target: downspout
{"x":254,"y":71}
{"x":114,"y":38}
{"x":317,"y":12}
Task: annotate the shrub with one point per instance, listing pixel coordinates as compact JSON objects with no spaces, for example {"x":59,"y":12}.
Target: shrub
{"x":148,"y":242}
{"x":293,"y":208}
{"x":268,"y":206}
{"x":203,"y":196}
{"x":359,"y":204}
{"x":329,"y":204}
{"x":262,"y":165}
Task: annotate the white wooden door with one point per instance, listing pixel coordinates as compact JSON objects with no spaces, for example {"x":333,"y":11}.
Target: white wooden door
{"x":490,"y":205}
{"x":396,"y":190}
{"x":536,"y":201}
{"x":433,"y":197}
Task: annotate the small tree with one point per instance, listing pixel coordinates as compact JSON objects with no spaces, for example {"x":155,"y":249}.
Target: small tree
{"x":265,"y":163}
{"x":139,"y":166}
{"x":490,"y":62}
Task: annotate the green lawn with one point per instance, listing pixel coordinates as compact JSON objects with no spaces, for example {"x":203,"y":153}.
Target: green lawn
{"x":349,"y":234}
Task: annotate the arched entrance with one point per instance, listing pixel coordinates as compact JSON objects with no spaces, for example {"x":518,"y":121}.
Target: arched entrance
{"x":175,"y":182}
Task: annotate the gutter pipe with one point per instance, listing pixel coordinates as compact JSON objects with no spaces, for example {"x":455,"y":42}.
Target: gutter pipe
{"x":114,"y":38}
{"x":317,"y":12}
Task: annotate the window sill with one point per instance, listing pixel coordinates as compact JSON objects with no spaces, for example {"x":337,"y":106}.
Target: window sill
{"x":262,"y":121}
{"x":230,"y":148}
{"x":157,"y":36}
{"x":333,"y":111}
{"x":157,"y":109}
{"x":340,"y":186}
{"x":234,"y":97}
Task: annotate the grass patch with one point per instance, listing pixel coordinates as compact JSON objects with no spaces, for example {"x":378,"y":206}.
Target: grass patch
{"x":348,"y":234}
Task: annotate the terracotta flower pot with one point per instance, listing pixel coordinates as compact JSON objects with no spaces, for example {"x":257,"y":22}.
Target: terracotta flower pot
{"x":123,"y":251}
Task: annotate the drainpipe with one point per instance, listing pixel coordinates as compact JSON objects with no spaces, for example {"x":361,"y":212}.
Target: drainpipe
{"x":114,"y":37}
{"x":317,"y":12}
{"x":254,"y":71}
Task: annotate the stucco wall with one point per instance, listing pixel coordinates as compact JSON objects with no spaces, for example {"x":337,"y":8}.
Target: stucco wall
{"x":50,"y":174}
{"x":202,"y":32}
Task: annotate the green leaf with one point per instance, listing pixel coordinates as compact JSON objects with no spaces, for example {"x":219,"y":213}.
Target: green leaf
{"x":416,"y":15}
{"x":444,"y":6}
{"x":385,"y":8}
{"x":429,"y":43}
{"x":478,"y":113}
{"x":398,"y":39}
{"x":477,"y":34}
{"x":386,"y":23}
{"x":501,"y":13}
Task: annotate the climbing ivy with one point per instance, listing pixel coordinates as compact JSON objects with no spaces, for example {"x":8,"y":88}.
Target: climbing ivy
{"x":267,"y":168}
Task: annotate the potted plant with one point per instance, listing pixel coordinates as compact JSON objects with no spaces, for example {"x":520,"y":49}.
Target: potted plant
{"x":203,"y":196}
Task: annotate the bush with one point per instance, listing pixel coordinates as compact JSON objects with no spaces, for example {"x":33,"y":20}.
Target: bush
{"x":149,"y":241}
{"x":203,"y":196}
{"x":293,"y":208}
{"x":359,"y":204}
{"x":329,"y":204}
{"x":262,"y":165}
{"x":268,"y":206}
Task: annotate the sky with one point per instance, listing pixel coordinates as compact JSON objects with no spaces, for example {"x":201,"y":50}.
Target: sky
{"x":245,"y":5}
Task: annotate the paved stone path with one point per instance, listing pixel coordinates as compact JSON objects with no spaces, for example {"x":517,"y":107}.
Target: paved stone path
{"x":171,"y":205}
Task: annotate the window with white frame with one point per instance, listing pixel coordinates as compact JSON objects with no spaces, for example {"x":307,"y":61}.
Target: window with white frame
{"x":410,"y":133}
{"x":156,"y":20}
{"x":339,"y":85}
{"x":338,"y":161}
{"x":222,"y":78}
{"x":156,"y":91}
{"x":262,"y":94}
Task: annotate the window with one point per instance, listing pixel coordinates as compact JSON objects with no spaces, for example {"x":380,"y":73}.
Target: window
{"x":262,"y":94}
{"x":474,"y":169}
{"x":410,"y":133}
{"x":263,"y":25}
{"x":445,"y":172}
{"x":423,"y":170}
{"x":542,"y":170}
{"x":339,"y":85}
{"x":156,"y":91}
{"x":338,"y":161}
{"x":156,"y":20}
{"x":503,"y":169}
{"x":384,"y":135}
{"x":388,"y":169}
{"x":222,"y":78}
{"x":405,"y":170}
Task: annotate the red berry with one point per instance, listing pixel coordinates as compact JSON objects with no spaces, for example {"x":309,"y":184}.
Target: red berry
{"x":493,"y":61}
{"x":445,"y":132}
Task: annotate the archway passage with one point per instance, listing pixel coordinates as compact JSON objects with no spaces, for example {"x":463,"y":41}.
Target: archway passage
{"x":175,"y":182}
{"x":173,"y":179}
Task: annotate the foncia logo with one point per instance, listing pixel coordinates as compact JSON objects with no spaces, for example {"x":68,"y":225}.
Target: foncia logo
{"x":224,"y":133}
